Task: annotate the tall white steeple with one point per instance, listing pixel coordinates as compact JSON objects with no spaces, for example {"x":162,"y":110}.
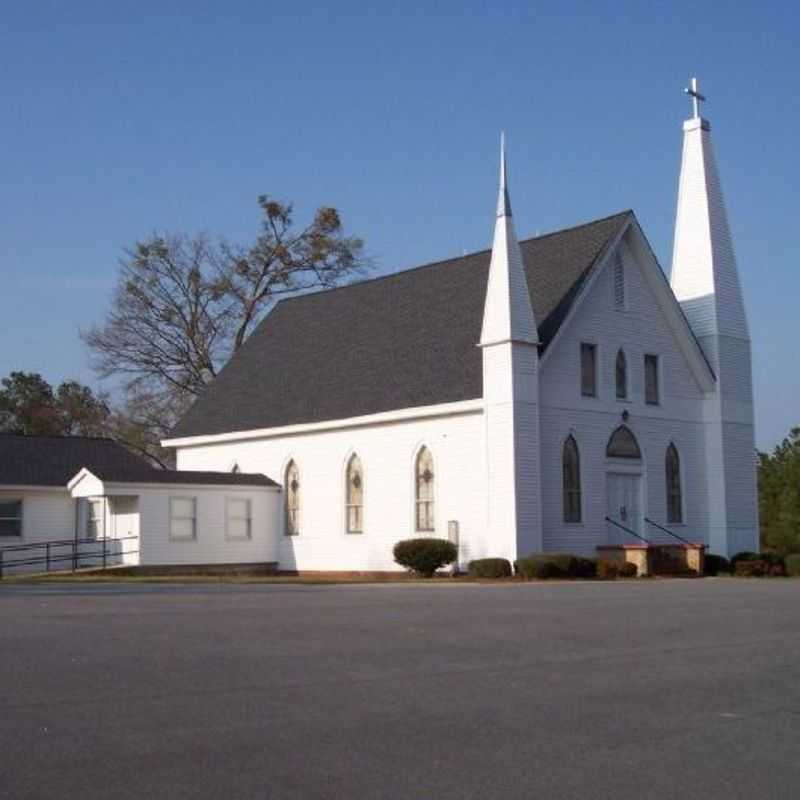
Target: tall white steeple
{"x":705,"y":281}
{"x":704,"y":274}
{"x":508,"y":315}
{"x":509,"y":344}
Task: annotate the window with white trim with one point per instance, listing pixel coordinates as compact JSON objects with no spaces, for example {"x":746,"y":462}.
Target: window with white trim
{"x":354,"y":492}
{"x":571,"y":474}
{"x":291,"y":493}
{"x":238,"y":518}
{"x":424,"y":491}
{"x":674,"y":492}
{"x":652,"y":391}
{"x":588,"y":369}
{"x":621,"y":375}
{"x":182,"y":518}
{"x":94,"y":518}
{"x":10,"y":517}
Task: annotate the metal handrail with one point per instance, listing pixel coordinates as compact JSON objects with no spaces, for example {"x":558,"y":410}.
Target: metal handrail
{"x":74,"y":556}
{"x":627,"y":530}
{"x":55,"y":542}
{"x":667,"y":530}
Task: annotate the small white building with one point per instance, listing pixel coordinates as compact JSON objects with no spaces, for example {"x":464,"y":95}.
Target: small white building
{"x":186,"y":518}
{"x":555,"y":394}
{"x":79,"y":500}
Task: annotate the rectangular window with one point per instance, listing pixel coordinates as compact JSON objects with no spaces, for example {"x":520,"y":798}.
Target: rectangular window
{"x":182,"y":518}
{"x":651,"y":387}
{"x":238,"y":519}
{"x":94,"y":519}
{"x":10,"y":517}
{"x":588,"y":370}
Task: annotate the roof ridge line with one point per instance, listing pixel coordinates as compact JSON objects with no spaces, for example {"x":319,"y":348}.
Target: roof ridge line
{"x":440,"y":261}
{"x":59,"y":436}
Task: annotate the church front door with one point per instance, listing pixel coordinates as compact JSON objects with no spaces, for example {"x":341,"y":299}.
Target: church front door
{"x":624,"y":507}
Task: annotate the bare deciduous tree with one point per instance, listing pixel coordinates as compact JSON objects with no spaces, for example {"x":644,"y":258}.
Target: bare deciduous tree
{"x":183,"y":304}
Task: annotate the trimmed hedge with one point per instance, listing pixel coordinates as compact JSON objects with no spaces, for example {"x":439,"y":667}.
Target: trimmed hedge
{"x":424,"y":556}
{"x":609,"y":570}
{"x":714,"y":565}
{"x":490,"y":568}
{"x":776,"y":563}
{"x":793,"y":565}
{"x":555,"y":565}
{"x":628,"y":570}
{"x":745,"y":555}
{"x":769,"y":563}
{"x":750,"y":568}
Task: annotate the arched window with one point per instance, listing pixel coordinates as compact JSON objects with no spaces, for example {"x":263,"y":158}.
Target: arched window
{"x":424,"y":490}
{"x":674,"y":494}
{"x":621,"y":374}
{"x":623,"y":444}
{"x":291,"y":490}
{"x":571,"y":470}
{"x":354,"y":491}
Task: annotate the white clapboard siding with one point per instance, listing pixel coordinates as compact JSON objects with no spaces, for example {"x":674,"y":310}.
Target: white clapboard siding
{"x":387,"y":453}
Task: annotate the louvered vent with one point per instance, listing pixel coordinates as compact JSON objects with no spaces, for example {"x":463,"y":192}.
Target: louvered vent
{"x":619,"y":283}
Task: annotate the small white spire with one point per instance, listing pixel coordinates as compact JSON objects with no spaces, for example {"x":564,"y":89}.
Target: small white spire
{"x":503,"y":201}
{"x":508,"y":314}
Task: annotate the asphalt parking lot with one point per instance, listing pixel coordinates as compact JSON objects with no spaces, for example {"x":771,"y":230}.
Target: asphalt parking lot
{"x":649,"y":689}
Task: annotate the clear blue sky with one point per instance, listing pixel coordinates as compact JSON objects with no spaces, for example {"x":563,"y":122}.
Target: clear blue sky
{"x":119,"y":118}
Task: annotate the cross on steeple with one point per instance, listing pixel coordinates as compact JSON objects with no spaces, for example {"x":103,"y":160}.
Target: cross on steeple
{"x":697,"y":98}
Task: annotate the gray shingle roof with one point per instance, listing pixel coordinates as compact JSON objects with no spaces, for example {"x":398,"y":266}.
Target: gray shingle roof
{"x":55,"y":460}
{"x":182,"y":476}
{"x":399,"y":341}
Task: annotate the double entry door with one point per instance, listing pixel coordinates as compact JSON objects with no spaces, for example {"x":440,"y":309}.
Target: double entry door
{"x":624,"y":507}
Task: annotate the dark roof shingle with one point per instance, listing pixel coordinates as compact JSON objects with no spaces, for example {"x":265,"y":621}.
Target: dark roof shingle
{"x":182,"y":476}
{"x":55,"y":460}
{"x":398,"y":341}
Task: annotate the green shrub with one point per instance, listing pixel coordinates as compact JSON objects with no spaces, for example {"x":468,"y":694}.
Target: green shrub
{"x":607,"y":570}
{"x":776,"y":563}
{"x":425,"y":556}
{"x":714,"y":565}
{"x":745,"y":555}
{"x":628,"y":570}
{"x":770,"y":563}
{"x":584,"y":567}
{"x":548,"y":565}
{"x":793,"y":565}
{"x":555,"y":565}
{"x":748,"y":568}
{"x":490,"y":568}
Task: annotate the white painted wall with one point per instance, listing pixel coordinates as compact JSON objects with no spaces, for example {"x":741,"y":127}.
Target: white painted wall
{"x":212,"y":544}
{"x":387,"y":452}
{"x":640,"y":328}
{"x":47,"y":514}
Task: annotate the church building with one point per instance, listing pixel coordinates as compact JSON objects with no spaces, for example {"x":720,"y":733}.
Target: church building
{"x":558,"y":393}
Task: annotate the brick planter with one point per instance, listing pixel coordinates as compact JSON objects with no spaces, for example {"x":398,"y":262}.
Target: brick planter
{"x":657,"y":559}
{"x":638,"y":554}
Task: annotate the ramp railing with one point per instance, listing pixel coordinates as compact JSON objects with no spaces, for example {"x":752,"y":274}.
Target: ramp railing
{"x":626,"y":529}
{"x":69,"y":551}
